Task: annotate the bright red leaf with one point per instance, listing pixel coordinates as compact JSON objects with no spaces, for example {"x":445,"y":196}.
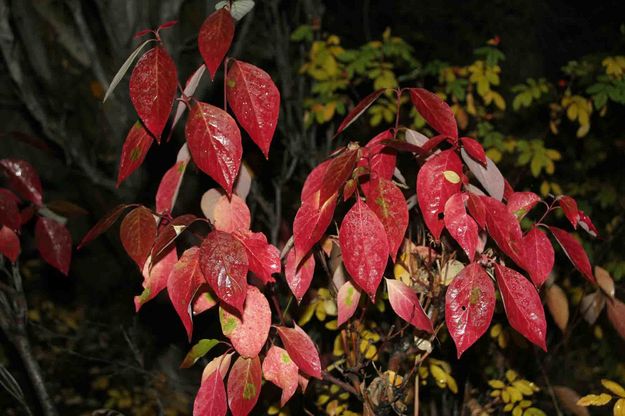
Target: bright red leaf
{"x":299,"y":277}
{"x":104,"y":224}
{"x":9,"y":244}
{"x":490,"y":177}
{"x":214,"y":141}
{"x":54,"y":243}
{"x":357,"y":111}
{"x":476,"y":209}
{"x":155,"y":276}
{"x":574,"y":251}
{"x":438,"y":179}
{"x":469,"y":306}
{"x":221,"y":363}
{"x":182,"y":284}
{"x":231,"y":214}
{"x":211,"y":397}
{"x":364,"y":247}
{"x":538,"y":255}
{"x":522,"y":304}
{"x":460,"y":225}
{"x":169,"y":186}
{"x":520,"y":203}
{"x":405,"y":303}
{"x":215,"y":38}
{"x":153,"y":86}
{"x":381,"y":159}
{"x":387,"y":202}
{"x":204,"y":300}
{"x":504,"y":228}
{"x":279,"y":369}
{"x":255,"y":101}
{"x":569,"y":207}
{"x":347,"y":301}
{"x":474,"y":149}
{"x":263,"y":258}
{"x":586,"y":223}
{"x":313,"y":182}
{"x":310,"y":224}
{"x":338,"y":172}
{"x":244,"y":385}
{"x":137,"y":233}
{"x":248,"y":334}
{"x":134,"y":150}
{"x":224,"y":264}
{"x":301,"y":349}
{"x":434,"y":111}
{"x":23,"y":178}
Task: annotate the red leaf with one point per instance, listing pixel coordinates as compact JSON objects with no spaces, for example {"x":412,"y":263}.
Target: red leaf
{"x":138,"y":232}
{"x":299,"y":278}
{"x":189,"y":89}
{"x":211,"y":397}
{"x":381,"y":159}
{"x":437,"y":180}
{"x":490,"y":177}
{"x":504,"y":228}
{"x":215,"y":38}
{"x":231,"y":214}
{"x":221,"y":363}
{"x":433,"y":143}
{"x":301,"y":349}
{"x":587,"y":225}
{"x":54,"y":243}
{"x":244,"y":385}
{"x":469,"y":306}
{"x":204,"y":300}
{"x":169,"y":186}
{"x":387,"y":202}
{"x":309,"y":225}
{"x":255,"y":101}
{"x":461,"y":226}
{"x":9,"y":212}
{"x":477,"y":209}
{"x":522,"y":304}
{"x":474,"y":149}
{"x":538,"y":256}
{"x":520,"y":203}
{"x":9,"y":244}
{"x":313,"y":182}
{"x":155,"y":276}
{"x":182,"y":284}
{"x":224,"y":265}
{"x":23,"y":178}
{"x":104,"y":224}
{"x":569,"y":207}
{"x":263,"y":258}
{"x":135,"y":149}
{"x":153,"y":86}
{"x":279,"y":369}
{"x":406,"y":305}
{"x":347,"y":301}
{"x":357,"y":111}
{"x":434,"y":111}
{"x":214,"y":141}
{"x":364,"y":247}
{"x":338,"y":172}
{"x":616,"y":315}
{"x":249,"y":334}
{"x":167,"y":25}
{"x":168,"y":233}
{"x":574,"y":251}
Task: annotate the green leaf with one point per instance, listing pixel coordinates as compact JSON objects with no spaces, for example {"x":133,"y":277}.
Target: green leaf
{"x":199,"y":350}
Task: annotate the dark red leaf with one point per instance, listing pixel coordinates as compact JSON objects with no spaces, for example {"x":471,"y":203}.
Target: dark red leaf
{"x":137,"y":233}
{"x":134,"y":150}
{"x":155,"y":275}
{"x":169,"y":186}
{"x":23,"y":178}
{"x":569,"y":207}
{"x":522,"y":304}
{"x":616,"y":315}
{"x":299,"y":277}
{"x":215,"y":38}
{"x":538,"y":256}
{"x":153,"y":86}
{"x":263,"y":258}
{"x":168,"y":233}
{"x":224,"y":264}
{"x":357,"y":111}
{"x":575,"y":252}
{"x":337,"y":173}
{"x":310,"y":224}
{"x":244,"y":385}
{"x":405,"y":303}
{"x":231,"y":214}
{"x":433,"y":143}
{"x":347,"y":301}
{"x":434,"y":111}
{"x":27,"y":214}
{"x":364,"y":247}
{"x":248,"y":334}
{"x":460,"y":225}
{"x":387,"y":202}
{"x":9,"y":244}
{"x":214,"y":141}
{"x":182,"y":284}
{"x":301,"y":349}
{"x":279,"y":369}
{"x":54,"y":243}
{"x":474,"y":149}
{"x":9,"y":212}
{"x":469,"y":306}
{"x":255,"y":101}
{"x":211,"y":397}
{"x":438,"y":179}
{"x":490,"y":177}
{"x":104,"y":224}
{"x":520,"y":203}
{"x":167,"y":24}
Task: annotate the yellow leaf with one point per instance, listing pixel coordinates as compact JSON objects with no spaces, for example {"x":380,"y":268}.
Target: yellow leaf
{"x":594,"y":400}
{"x":613,"y":387}
{"x":307,"y":315}
{"x":517,"y":411}
{"x":532,"y":411}
{"x":515,"y":394}
{"x":451,"y":384}
{"x":511,"y":375}
{"x":438,"y":374}
{"x":451,"y":176}
{"x":496,"y":384}
{"x":524,"y":387}
{"x":619,"y":408}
